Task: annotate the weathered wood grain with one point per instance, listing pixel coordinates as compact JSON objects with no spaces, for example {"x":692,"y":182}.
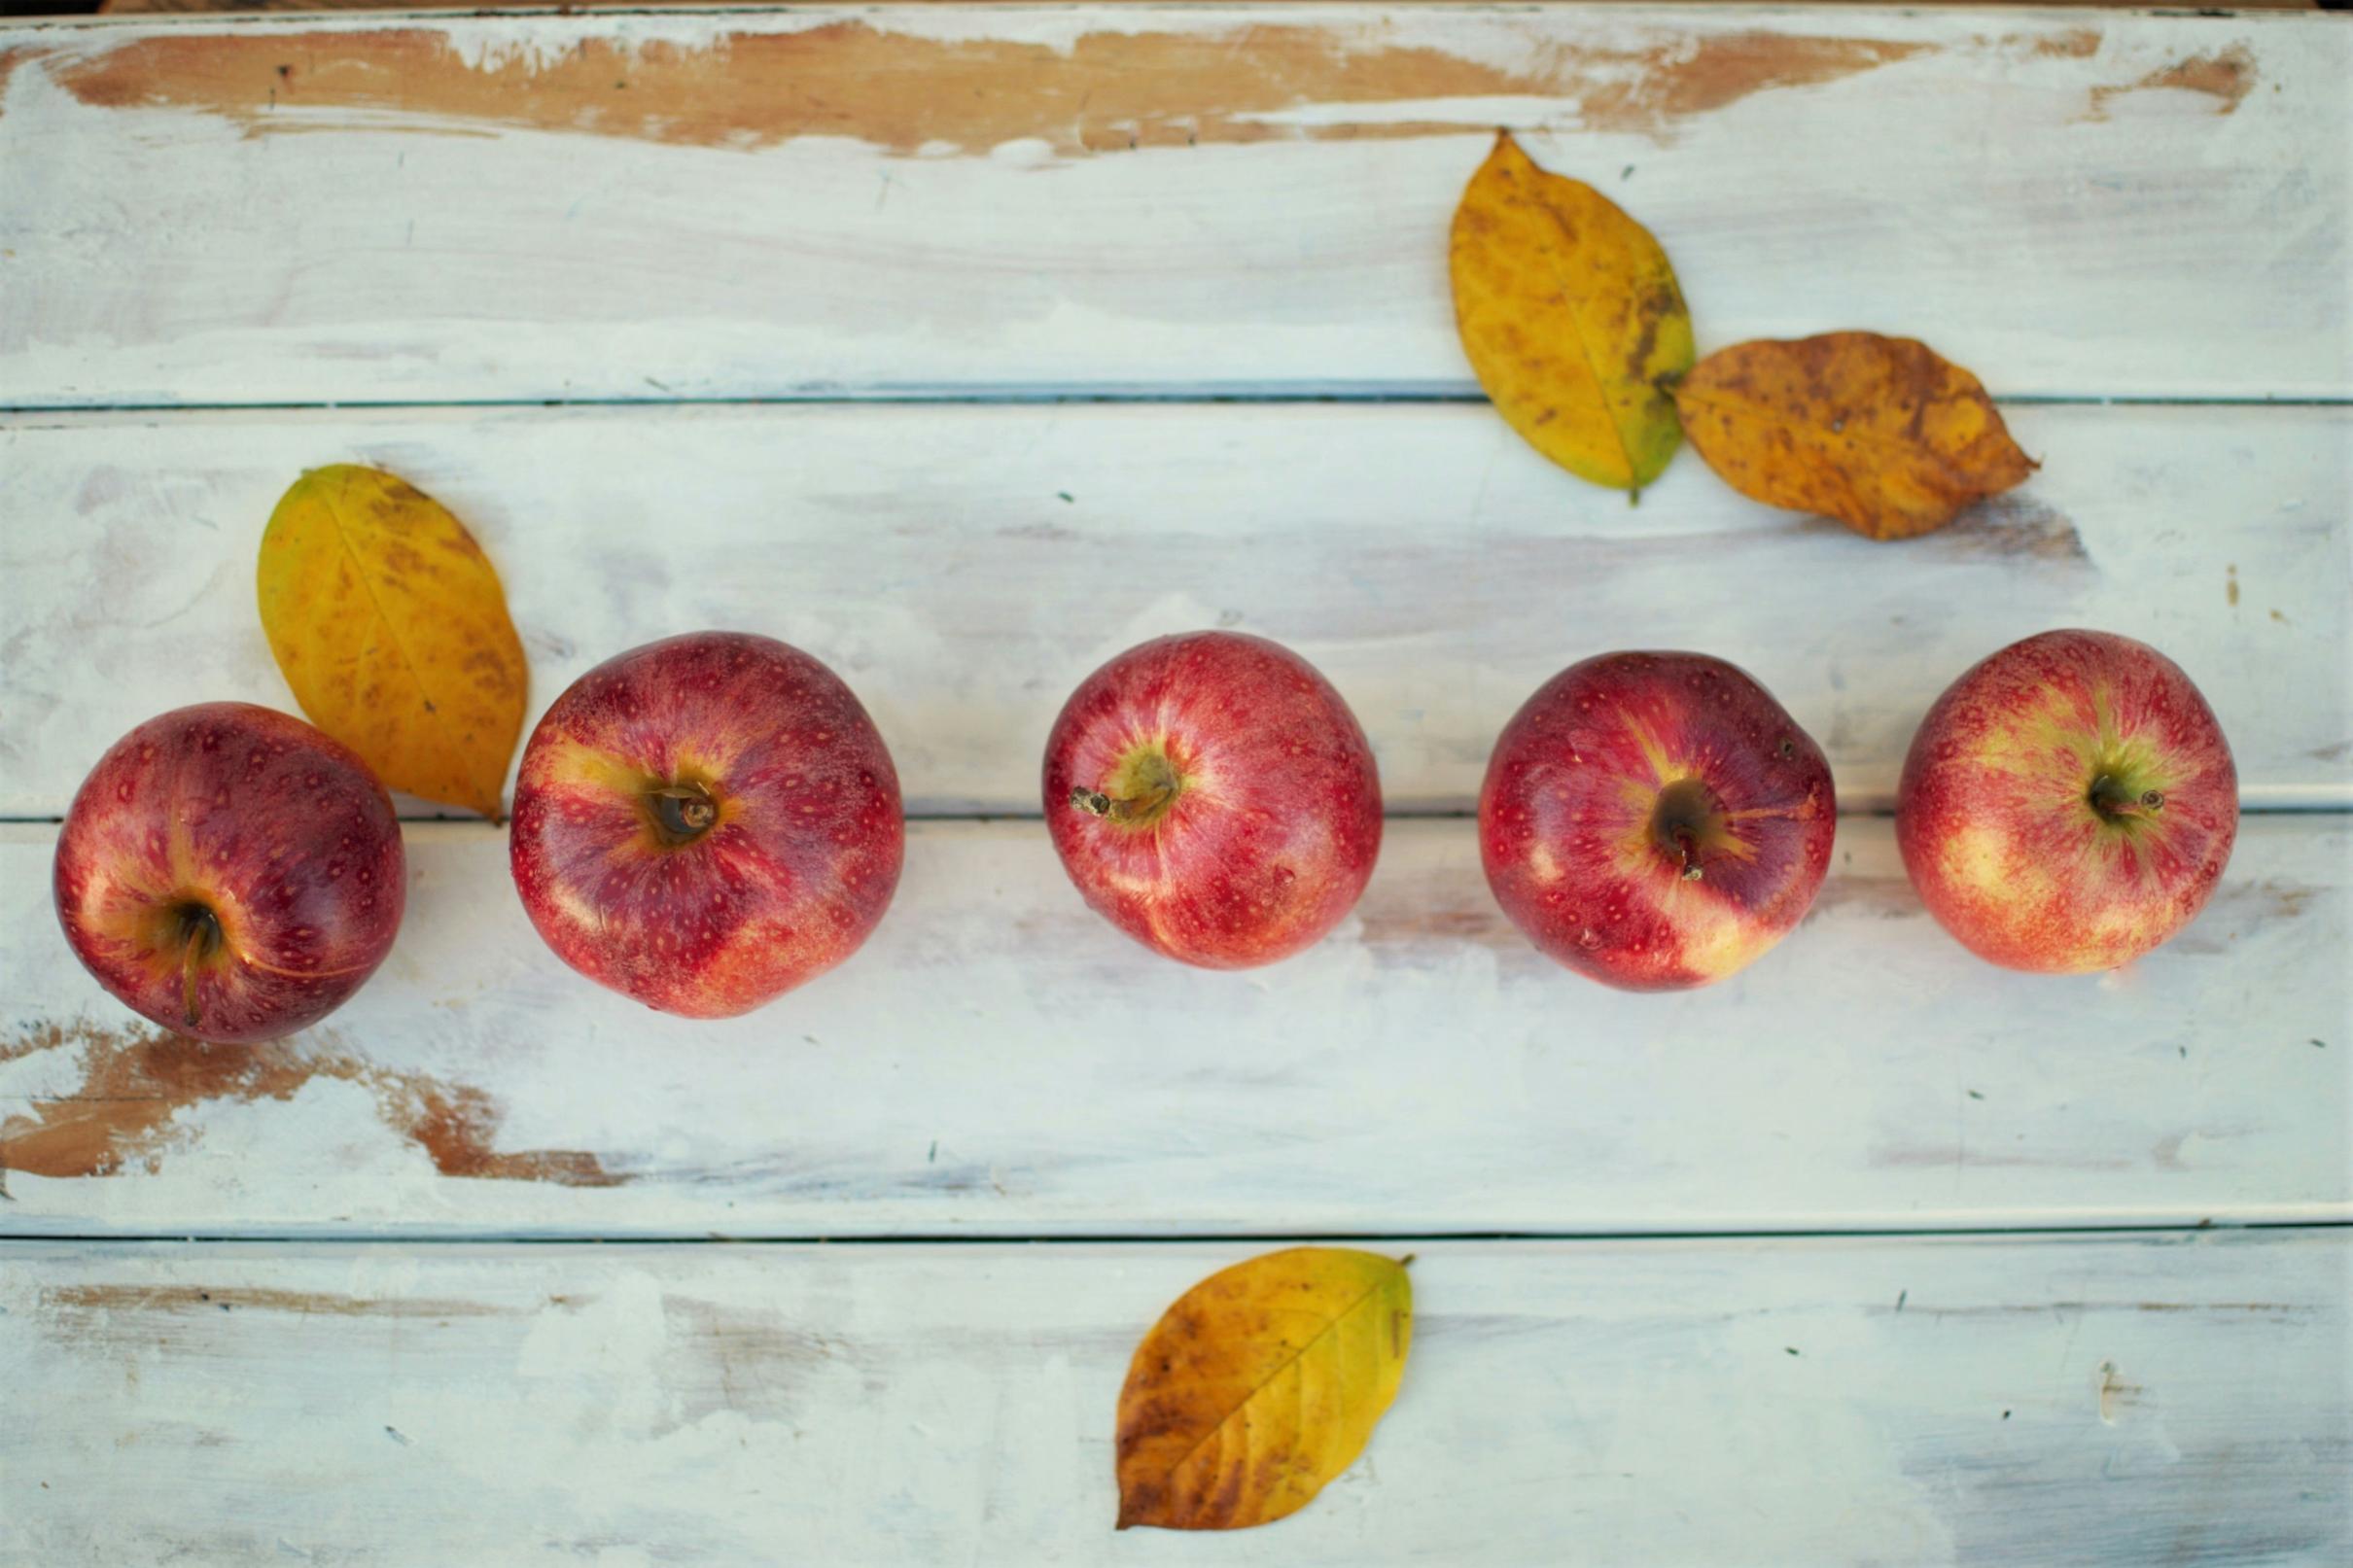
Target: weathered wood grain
{"x":965,"y":568}
{"x":2067,"y":1400}
{"x":997,"y":1061}
{"x":978,"y":203}
{"x":120,"y":7}
{"x":726,"y":205}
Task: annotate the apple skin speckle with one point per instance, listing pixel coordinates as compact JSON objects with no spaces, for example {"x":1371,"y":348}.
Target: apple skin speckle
{"x":1594,"y":778}
{"x":1273,"y":819}
{"x":230,"y":873}
{"x":783,"y":843}
{"x":1995,"y":814}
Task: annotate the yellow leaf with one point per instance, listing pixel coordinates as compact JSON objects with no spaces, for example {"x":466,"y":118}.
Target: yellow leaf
{"x":392,"y":629}
{"x":1878,"y":433}
{"x":1260,"y":1384}
{"x":1573,"y":318}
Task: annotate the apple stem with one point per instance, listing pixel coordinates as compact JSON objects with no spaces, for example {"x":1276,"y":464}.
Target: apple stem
{"x":1692,"y":871}
{"x":1118,"y":808}
{"x":684,"y":811}
{"x":2110,"y":800}
{"x":1686,"y":813}
{"x":199,"y":940}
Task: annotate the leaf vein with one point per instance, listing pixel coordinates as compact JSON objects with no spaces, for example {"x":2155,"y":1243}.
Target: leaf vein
{"x":1734,"y":408}
{"x":408,"y":662}
{"x":1266,"y":1382}
{"x":1609,"y":412}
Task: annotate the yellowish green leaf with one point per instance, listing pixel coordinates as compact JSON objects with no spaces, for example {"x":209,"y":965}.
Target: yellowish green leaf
{"x":1878,"y":433}
{"x":1573,"y":318}
{"x":1262,"y":1383}
{"x":392,"y":629}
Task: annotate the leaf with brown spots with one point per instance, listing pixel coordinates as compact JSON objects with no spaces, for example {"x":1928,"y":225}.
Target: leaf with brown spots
{"x":1262,"y":1383}
{"x":1571,"y":317}
{"x":391,"y":628}
{"x":1878,"y":433}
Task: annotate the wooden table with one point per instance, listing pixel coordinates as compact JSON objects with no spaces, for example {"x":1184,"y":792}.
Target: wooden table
{"x":963,"y":347}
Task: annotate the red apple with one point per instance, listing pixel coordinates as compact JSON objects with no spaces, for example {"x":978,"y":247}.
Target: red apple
{"x":1212,"y":797}
{"x":1655,"y":821}
{"x":230,"y":872}
{"x":2068,"y":804}
{"x":705,"y":822}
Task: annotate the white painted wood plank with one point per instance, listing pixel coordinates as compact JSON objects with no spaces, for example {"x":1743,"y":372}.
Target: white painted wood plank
{"x":735,"y":203}
{"x":997,"y":1061}
{"x":2025,"y":1402}
{"x":1428,"y":562}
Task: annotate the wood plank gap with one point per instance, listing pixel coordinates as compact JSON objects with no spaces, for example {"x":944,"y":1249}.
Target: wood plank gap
{"x":1208,"y":395}
{"x":2333,"y":801}
{"x":310,"y":20}
{"x":1261,"y":1240}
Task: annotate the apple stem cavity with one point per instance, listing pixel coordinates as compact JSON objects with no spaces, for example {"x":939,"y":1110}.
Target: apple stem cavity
{"x":1687,"y":815}
{"x":682,"y":813}
{"x":1138,"y":793}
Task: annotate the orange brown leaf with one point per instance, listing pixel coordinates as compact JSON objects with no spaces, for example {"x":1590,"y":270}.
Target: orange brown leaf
{"x":392,"y":629}
{"x":1262,"y":1383}
{"x":1880,"y":433}
{"x":1572,"y":319}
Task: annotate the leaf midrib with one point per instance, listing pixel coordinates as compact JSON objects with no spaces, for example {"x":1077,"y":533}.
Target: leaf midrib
{"x":1609,"y":412}
{"x":1273,"y":1372}
{"x":1758,"y":412}
{"x":433,"y":709}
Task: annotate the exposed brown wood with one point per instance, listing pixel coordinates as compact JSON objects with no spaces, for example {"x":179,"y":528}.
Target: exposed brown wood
{"x":1111,"y":90}
{"x":137,"y":1079}
{"x":143,"y":7}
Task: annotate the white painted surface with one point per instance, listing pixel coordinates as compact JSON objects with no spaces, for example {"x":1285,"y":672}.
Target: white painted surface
{"x":2023,"y":189}
{"x":1426,"y":559}
{"x":2023,"y":1402}
{"x":2018,"y":187}
{"x":997,"y":1061}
